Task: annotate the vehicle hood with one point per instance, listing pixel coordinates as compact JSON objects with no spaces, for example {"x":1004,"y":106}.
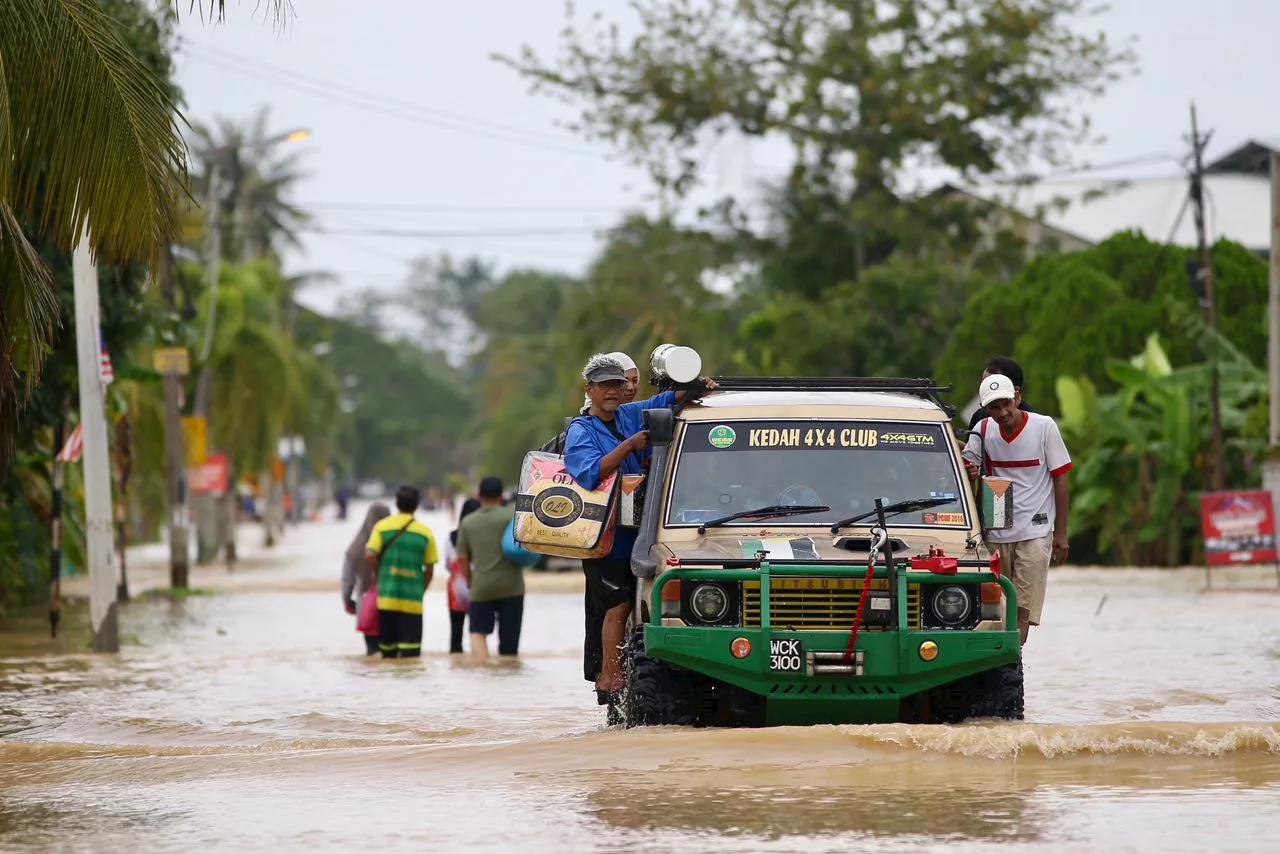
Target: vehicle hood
{"x":818,"y":545}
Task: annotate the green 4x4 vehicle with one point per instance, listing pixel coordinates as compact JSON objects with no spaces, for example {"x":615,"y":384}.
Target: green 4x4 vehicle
{"x":769,"y":505}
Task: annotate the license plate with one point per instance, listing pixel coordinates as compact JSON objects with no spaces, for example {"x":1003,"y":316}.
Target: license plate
{"x":786,"y":655}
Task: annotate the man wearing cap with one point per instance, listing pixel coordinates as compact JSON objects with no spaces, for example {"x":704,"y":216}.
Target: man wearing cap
{"x":610,"y":437}
{"x":555,"y":445}
{"x":496,"y":584}
{"x":1012,"y":370}
{"x":1026,"y":448}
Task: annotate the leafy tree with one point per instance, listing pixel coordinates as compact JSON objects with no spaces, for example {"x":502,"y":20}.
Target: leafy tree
{"x":445,"y":297}
{"x":858,"y":87}
{"x":892,"y":321}
{"x":256,"y":177}
{"x":409,"y":410}
{"x":67,"y":64}
{"x":1067,"y":314}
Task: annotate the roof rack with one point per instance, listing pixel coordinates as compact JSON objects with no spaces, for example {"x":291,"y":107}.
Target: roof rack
{"x":922,"y":387}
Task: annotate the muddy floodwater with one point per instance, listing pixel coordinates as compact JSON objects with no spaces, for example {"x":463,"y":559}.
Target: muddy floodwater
{"x":249,"y":720}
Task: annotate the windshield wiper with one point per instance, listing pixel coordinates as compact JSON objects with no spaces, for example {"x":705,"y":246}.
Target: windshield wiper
{"x":770,"y":510}
{"x":911,"y":505}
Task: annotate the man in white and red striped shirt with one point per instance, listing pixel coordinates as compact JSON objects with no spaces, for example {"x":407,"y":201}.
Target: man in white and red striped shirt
{"x":1027,"y":448}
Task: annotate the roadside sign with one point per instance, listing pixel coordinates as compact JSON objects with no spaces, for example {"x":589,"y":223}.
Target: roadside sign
{"x":195,"y":440}
{"x":172,"y":361}
{"x":214,"y":476}
{"x":1239,"y":528}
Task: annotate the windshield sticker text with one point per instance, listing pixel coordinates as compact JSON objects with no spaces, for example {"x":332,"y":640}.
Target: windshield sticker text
{"x":812,"y":437}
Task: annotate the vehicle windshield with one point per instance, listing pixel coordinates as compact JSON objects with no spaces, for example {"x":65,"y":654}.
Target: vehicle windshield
{"x":726,"y":467}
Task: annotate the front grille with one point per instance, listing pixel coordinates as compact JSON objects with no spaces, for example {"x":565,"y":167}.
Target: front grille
{"x":818,"y":604}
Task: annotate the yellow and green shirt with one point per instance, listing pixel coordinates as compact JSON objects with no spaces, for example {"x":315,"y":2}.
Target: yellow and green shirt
{"x":401,"y":568}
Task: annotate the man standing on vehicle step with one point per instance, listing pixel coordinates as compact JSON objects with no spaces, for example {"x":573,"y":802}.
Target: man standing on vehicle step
{"x":1027,"y":448}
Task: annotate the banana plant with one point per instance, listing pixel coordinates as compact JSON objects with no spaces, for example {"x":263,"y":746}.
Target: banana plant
{"x":1141,"y":448}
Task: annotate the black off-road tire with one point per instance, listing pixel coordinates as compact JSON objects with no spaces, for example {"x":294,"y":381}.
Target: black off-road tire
{"x":996,"y":693}
{"x":655,"y":694}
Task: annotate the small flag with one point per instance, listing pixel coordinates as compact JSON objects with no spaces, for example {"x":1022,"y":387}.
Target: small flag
{"x":74,"y":447}
{"x":105,"y":373}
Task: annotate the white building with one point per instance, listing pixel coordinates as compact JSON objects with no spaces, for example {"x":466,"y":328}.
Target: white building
{"x":1075,"y":214}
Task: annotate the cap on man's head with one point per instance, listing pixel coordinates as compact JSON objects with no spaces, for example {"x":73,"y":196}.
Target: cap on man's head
{"x":603,"y":369}
{"x":628,"y":364}
{"x":996,"y":387}
{"x":490,"y":487}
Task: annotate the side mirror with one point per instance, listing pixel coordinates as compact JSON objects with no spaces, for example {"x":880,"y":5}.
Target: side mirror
{"x":661,"y":424}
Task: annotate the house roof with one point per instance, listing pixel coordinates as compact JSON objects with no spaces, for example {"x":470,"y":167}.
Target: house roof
{"x":1238,"y":207}
{"x":1251,"y":158}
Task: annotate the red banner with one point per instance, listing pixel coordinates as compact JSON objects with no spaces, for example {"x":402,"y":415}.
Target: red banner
{"x":214,"y":476}
{"x":1239,"y":528}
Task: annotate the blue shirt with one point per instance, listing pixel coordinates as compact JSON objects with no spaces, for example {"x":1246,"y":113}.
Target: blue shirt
{"x":589,"y":440}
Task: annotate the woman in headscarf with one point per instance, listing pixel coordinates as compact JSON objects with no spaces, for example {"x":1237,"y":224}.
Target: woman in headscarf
{"x":458,"y":608}
{"x":353,"y":574}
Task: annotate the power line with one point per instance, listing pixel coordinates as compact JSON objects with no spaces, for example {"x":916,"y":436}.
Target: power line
{"x":456,"y":209}
{"x":438,"y":233}
{"x":336,"y":92}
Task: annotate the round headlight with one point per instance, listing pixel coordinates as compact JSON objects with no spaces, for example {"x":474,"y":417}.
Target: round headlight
{"x":951,"y":605}
{"x":709,"y":602}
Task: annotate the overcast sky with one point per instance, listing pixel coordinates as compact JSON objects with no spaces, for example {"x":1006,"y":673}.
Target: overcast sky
{"x":415,"y":127}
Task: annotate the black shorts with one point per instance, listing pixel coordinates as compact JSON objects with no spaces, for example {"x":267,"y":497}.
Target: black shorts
{"x":399,"y":634}
{"x":507,"y":613}
{"x":610,"y":581}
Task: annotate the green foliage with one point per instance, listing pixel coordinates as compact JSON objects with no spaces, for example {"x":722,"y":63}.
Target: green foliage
{"x":125,"y":165}
{"x":408,"y":409}
{"x":67,"y":64}
{"x":1067,"y":314}
{"x":1141,"y":450}
{"x":858,"y":88}
{"x":892,"y":321}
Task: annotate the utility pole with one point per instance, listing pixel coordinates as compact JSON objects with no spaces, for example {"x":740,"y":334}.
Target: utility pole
{"x":1217,"y":462}
{"x":97,"y":456}
{"x":207,"y":528}
{"x":174,"y":451}
{"x":1271,"y":465}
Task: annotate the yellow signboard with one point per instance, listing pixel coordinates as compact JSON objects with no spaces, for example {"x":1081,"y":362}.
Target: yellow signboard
{"x":195,"y":440}
{"x":172,"y":360}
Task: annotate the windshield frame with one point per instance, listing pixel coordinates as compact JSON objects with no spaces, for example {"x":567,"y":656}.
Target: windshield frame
{"x":941,"y":427}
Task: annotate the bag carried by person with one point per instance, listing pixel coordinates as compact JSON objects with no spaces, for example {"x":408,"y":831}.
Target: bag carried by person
{"x":513,"y":551}
{"x":459,"y":592}
{"x":554,"y":515}
{"x":367,"y":622}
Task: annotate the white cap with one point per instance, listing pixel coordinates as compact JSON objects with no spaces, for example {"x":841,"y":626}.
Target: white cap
{"x":996,"y":387}
{"x":627,"y":363}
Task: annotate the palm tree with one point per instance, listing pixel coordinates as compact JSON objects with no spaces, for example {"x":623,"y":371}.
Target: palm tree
{"x":89,"y":147}
{"x":254,"y":179}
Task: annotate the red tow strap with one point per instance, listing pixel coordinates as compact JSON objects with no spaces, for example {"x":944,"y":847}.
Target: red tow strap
{"x":862,"y":604}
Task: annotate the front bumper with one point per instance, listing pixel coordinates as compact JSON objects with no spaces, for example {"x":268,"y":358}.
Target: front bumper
{"x":887,"y":667}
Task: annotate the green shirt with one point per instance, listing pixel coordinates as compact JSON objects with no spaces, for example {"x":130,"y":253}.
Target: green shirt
{"x":480,"y":539}
{"x":401,"y":568}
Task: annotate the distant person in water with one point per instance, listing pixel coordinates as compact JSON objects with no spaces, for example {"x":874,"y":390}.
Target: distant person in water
{"x":401,"y":554}
{"x":497,"y":584}
{"x":354,"y":579}
{"x":459,"y":589}
{"x":343,"y":499}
